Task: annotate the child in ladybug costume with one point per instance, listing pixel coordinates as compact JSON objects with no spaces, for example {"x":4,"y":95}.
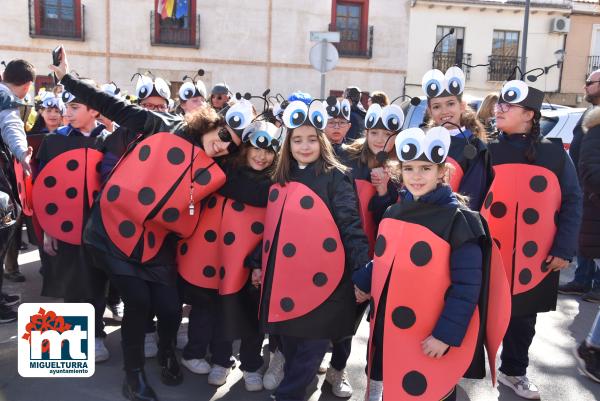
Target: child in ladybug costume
{"x":306,"y":273}
{"x":217,"y":262}
{"x":370,"y":168}
{"x":424,"y":337}
{"x":192,"y":93}
{"x":534,"y":210}
{"x":140,"y":215}
{"x":471,"y":174}
{"x":63,"y":193}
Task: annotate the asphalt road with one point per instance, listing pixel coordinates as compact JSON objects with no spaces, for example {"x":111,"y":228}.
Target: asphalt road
{"x":552,"y":365}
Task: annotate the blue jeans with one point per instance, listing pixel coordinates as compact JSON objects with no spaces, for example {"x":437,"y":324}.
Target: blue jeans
{"x":594,"y":335}
{"x":587,"y":273}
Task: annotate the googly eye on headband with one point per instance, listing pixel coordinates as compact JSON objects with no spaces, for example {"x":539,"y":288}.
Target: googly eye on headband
{"x":389,"y":118}
{"x":415,"y":144}
{"x":194,"y":87}
{"x":146,"y":87}
{"x":297,"y":113}
{"x":335,"y":108}
{"x":437,"y":84}
{"x":261,"y":135}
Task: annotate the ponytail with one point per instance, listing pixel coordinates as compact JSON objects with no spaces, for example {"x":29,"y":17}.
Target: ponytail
{"x":533,"y":137}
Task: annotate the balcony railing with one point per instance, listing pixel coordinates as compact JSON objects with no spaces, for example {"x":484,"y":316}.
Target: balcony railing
{"x":174,"y":35}
{"x":351,"y":48}
{"x":593,"y":64}
{"x":444,"y":60}
{"x":55,"y":27}
{"x":501,"y":67}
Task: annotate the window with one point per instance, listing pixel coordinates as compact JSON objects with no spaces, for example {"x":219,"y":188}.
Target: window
{"x":505,"y":55}
{"x":56,"y":18}
{"x":450,"y":50}
{"x":350,"y":18}
{"x":175,"y":23}
{"x":44,"y":81}
{"x":505,"y":44}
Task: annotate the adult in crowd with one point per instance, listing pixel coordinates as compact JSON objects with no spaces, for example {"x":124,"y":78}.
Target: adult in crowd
{"x":219,"y":96}
{"x":357,"y":113}
{"x":587,"y":274}
{"x":16,"y":83}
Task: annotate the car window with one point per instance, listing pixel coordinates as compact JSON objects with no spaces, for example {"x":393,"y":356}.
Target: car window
{"x":547,"y":123}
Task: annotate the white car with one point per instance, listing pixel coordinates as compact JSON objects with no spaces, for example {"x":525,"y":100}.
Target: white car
{"x":559,"y":123}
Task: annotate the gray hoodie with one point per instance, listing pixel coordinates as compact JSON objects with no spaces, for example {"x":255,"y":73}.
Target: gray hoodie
{"x":12,"y":128}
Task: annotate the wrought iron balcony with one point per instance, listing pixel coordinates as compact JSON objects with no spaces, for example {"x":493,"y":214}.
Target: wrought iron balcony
{"x":174,"y":35}
{"x":501,"y":67}
{"x":444,"y":60}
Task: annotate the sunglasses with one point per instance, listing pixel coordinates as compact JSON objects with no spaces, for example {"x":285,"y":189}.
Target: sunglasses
{"x":217,"y":97}
{"x":225,"y":135}
{"x":588,"y":83}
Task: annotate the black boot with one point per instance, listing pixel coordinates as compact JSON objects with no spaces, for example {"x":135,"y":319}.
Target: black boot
{"x":136,"y":387}
{"x":171,"y":371}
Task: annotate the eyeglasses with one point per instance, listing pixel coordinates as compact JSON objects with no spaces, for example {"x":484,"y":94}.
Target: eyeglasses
{"x":588,"y":83}
{"x":154,"y":107}
{"x":217,"y":97}
{"x":504,"y":107}
{"x":337,"y":124}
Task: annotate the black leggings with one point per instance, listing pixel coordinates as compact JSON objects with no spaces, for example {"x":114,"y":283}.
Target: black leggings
{"x":140,"y":297}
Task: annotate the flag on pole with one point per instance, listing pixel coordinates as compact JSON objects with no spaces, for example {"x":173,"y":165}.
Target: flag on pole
{"x":161,"y":9}
{"x":181,"y":9}
{"x":169,"y":7}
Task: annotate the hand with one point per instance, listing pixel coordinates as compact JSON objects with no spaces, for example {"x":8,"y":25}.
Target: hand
{"x":380,"y":179}
{"x":433,"y":347}
{"x":256,"y":277}
{"x":450,"y":170}
{"x":360,"y":295}
{"x":26,"y":160}
{"x":555,"y":263}
{"x":50,"y":245}
{"x":63,"y":68}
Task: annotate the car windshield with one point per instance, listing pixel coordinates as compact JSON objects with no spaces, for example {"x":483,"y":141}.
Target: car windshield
{"x":546,"y":124}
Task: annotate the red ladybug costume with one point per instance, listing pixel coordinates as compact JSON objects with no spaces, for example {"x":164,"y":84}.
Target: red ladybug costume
{"x":306,"y":272}
{"x":63,"y":193}
{"x":425,"y":235}
{"x":522,"y":209}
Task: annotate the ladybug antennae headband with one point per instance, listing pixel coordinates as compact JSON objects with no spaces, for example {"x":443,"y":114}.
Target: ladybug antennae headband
{"x":390,"y":118}
{"x":414,"y":144}
{"x":297,"y":113}
{"x":414,"y":100}
{"x":437,"y":84}
{"x":335,"y":108}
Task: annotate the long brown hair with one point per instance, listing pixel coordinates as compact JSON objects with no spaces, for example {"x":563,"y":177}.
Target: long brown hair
{"x":240,"y":159}
{"x":324,"y":164}
{"x":359,"y":150}
{"x":468,"y":119}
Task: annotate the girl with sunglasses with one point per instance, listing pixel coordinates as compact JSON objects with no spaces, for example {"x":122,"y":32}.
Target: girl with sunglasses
{"x":149,"y":201}
{"x":534,"y":209}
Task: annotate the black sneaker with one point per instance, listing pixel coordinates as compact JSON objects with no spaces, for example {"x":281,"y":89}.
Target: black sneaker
{"x":7,"y":315}
{"x":15,"y":277}
{"x":572,"y":288}
{"x":10,"y":300}
{"x":588,"y":359}
{"x":592,"y":296}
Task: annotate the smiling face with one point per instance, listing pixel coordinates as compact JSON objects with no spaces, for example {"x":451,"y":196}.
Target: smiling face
{"x":215,"y":146}
{"x":336,"y":129}
{"x":513,"y":119}
{"x":259,"y":159}
{"x":376,"y":140}
{"x":52,"y":118}
{"x":304,"y":144}
{"x":421,"y":177}
{"x":446,"y":109}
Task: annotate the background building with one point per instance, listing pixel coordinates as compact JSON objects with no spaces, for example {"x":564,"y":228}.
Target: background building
{"x":251,"y":45}
{"x":485,"y":32}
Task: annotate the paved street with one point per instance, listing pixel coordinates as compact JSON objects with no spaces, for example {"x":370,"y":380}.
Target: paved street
{"x":552,"y":364}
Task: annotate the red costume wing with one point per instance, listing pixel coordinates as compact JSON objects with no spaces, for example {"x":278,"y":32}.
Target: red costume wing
{"x":198,"y":258}
{"x":456,"y":174}
{"x":522,"y":208}
{"x":366,"y":191}
{"x":419,"y":279}
{"x":93,"y":179}
{"x":156,"y":174}
{"x":58,"y":195}
{"x":499,"y":308}
{"x":24,"y":188}
{"x":242,"y":230}
{"x":310,"y":258}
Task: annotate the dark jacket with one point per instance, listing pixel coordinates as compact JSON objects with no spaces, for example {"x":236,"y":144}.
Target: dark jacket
{"x":589,"y":176}
{"x":357,"y":119}
{"x":575,"y":147}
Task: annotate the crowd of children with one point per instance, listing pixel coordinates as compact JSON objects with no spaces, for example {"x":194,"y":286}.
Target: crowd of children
{"x":273,"y":223}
